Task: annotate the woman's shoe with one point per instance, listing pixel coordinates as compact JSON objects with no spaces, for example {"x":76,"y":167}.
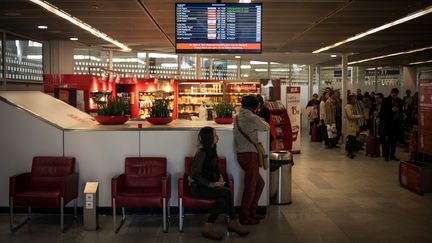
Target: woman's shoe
{"x":257,"y":216}
{"x":236,"y":227}
{"x":209,"y":232}
{"x":249,"y":221}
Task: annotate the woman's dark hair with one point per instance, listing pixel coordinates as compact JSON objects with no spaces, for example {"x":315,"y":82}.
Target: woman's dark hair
{"x":260,"y":99}
{"x":250,"y":102}
{"x":206,"y":139}
{"x":352,"y":99}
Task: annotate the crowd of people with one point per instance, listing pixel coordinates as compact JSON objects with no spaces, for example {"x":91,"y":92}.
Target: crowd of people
{"x":365,"y":114}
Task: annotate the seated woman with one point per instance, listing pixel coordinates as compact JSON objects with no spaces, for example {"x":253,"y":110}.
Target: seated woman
{"x":208,"y":183}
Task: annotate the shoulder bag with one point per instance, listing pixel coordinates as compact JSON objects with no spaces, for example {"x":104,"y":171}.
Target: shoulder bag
{"x":262,"y":156}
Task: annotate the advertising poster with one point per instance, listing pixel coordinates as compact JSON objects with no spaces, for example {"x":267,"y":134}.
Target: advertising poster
{"x":294,"y":109}
{"x":425,"y":113}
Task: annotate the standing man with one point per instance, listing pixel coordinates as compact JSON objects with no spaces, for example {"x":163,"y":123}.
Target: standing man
{"x":247,"y":123}
{"x":391,"y":115}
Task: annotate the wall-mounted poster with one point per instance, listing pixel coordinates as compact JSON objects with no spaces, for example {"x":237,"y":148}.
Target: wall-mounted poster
{"x":293,"y":107}
{"x":425,"y":113}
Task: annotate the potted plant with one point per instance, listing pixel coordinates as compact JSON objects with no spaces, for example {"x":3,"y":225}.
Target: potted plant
{"x":112,"y":112}
{"x":224,"y":113}
{"x":160,"y":112}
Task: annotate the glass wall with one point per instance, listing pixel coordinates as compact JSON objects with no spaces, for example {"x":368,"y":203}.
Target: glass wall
{"x":130,"y":64}
{"x":90,"y":60}
{"x":254,"y":69}
{"x":187,"y":67}
{"x":163,"y":65}
{"x":279,"y":71}
{"x":23,"y":58}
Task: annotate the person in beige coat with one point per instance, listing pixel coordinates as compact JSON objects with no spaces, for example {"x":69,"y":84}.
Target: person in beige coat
{"x":330,"y":119}
{"x":351,"y":126}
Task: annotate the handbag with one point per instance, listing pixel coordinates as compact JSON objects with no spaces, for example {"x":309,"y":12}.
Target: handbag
{"x":262,"y":156}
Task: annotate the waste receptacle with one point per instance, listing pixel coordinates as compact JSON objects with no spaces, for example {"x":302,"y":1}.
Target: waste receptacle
{"x":91,"y":201}
{"x":281,"y":163}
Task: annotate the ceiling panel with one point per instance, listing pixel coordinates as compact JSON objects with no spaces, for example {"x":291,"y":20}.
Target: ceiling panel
{"x":292,"y":29}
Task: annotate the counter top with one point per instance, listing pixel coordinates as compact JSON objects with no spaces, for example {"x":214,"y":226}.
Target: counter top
{"x":65,"y":117}
{"x":133,"y":125}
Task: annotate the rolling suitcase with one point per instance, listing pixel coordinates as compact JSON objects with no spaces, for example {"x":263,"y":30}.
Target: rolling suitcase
{"x":315,"y":133}
{"x":373,"y":142}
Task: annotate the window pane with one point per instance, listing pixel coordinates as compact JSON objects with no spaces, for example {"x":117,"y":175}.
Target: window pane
{"x":188,"y":67}
{"x":23,"y":59}
{"x":131,"y":64}
{"x":163,"y":65}
{"x":87,"y":59}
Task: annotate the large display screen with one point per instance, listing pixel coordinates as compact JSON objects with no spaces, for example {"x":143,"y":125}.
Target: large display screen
{"x":218,"y":28}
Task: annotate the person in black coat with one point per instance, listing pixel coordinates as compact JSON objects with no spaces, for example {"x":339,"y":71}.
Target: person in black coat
{"x":391,"y":117}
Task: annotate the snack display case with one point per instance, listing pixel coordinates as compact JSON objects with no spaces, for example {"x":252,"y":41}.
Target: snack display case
{"x":280,"y":127}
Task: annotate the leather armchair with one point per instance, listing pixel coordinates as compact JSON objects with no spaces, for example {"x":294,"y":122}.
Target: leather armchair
{"x":185,"y":199}
{"x":52,"y":183}
{"x":145,"y":184}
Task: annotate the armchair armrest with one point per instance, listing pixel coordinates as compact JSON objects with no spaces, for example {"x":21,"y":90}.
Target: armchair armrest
{"x":18,"y":183}
{"x":180,"y":185}
{"x":230,"y":181}
{"x":69,"y":187}
{"x":117,"y":184}
{"x":166,"y":186}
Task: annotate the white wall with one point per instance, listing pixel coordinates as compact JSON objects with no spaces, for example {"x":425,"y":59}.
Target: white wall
{"x":22,"y":137}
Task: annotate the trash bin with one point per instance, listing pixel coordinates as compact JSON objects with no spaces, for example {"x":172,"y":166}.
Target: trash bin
{"x":281,"y":163}
{"x":91,"y":201}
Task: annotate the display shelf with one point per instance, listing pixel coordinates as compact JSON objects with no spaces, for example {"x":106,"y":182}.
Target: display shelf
{"x":146,"y":99}
{"x":235,"y":90}
{"x":200,"y":93}
{"x":280,"y":127}
{"x":191,"y":95}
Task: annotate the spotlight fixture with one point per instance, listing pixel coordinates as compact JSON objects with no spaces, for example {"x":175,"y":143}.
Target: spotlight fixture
{"x":409,"y":17}
{"x":55,"y":10}
{"x":391,"y":55}
{"x":333,"y":55}
{"x":238,"y":57}
{"x":73,"y":38}
{"x":42,"y":27}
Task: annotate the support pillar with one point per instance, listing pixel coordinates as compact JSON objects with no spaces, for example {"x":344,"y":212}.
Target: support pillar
{"x":344,"y":85}
{"x":310,"y":81}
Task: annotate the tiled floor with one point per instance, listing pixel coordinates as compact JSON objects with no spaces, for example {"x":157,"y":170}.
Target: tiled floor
{"x":335,"y":199}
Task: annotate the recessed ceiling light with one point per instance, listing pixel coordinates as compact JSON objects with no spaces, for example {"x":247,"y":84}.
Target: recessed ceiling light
{"x":245,"y":1}
{"x":333,"y":55}
{"x":391,"y":55}
{"x":238,"y":57}
{"x":379,"y":28}
{"x":73,"y":39}
{"x":43,"y":27}
{"x":57,"y":11}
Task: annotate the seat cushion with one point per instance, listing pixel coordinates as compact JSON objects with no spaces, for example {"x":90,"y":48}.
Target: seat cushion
{"x":139,"y":198}
{"x":38,"y":197}
{"x":191,"y":202}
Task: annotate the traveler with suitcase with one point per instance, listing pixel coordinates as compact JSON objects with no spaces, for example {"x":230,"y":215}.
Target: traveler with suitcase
{"x":352,"y":127}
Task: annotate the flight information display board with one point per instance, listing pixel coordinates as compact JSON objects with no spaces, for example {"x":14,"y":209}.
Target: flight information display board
{"x":218,"y":28}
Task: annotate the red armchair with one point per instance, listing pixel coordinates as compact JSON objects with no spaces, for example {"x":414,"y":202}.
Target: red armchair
{"x":51,"y":183}
{"x":185,"y":199}
{"x":145,"y":184}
